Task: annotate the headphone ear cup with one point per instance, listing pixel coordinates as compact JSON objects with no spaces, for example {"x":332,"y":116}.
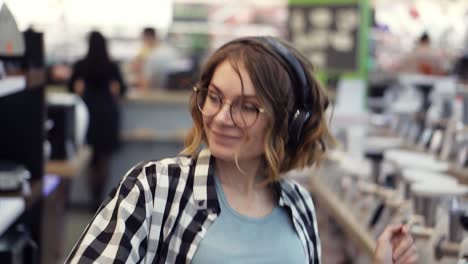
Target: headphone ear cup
{"x":296,"y":127}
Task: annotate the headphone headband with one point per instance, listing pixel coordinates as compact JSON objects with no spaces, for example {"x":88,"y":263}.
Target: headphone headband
{"x":301,"y":88}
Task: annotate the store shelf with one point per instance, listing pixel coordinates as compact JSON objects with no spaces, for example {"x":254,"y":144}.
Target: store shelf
{"x":223,"y":29}
{"x":12,"y":208}
{"x":341,"y":214}
{"x":460,"y":173}
{"x":70,"y":168}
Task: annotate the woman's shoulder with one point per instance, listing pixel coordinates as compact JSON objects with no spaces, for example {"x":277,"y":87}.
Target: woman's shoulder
{"x":293,"y":187}
{"x":147,"y":177}
{"x":178,"y":166}
{"x":297,"y":193}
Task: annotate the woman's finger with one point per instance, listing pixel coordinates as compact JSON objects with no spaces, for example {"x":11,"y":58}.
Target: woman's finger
{"x":396,"y":240}
{"x":384,"y":248}
{"x":410,"y":256}
{"x":389,"y":232}
{"x":403,"y":246}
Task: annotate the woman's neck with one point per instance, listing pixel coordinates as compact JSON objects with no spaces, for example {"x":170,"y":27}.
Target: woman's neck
{"x":245,"y":181}
{"x":242,"y":189}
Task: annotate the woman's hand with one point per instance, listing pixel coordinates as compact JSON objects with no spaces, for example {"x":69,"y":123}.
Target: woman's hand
{"x":115,"y":88}
{"x":79,"y":87}
{"x":395,"y":245}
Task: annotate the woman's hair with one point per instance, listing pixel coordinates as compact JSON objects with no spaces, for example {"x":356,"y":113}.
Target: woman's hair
{"x":97,"y":59}
{"x":274,"y":89}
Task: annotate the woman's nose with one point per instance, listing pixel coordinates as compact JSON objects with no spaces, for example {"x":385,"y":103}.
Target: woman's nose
{"x":224,"y":114}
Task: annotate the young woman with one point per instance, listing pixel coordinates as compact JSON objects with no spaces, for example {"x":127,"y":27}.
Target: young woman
{"x":260,"y":112}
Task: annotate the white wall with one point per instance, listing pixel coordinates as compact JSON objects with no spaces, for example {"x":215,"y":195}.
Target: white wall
{"x":66,"y":22}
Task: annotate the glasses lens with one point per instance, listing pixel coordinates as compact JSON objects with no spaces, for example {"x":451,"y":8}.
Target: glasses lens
{"x":244,"y":113}
{"x":208,"y":102}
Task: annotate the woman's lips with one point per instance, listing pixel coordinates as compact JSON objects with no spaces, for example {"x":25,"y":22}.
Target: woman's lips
{"x":224,"y":136}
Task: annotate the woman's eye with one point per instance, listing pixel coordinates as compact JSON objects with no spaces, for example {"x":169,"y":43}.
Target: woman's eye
{"x":213,"y":97}
{"x":249,"y":107}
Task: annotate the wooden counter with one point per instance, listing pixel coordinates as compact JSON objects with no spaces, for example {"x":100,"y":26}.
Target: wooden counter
{"x":159,"y":97}
{"x":336,"y":208}
{"x":136,"y":96}
{"x":70,"y":168}
{"x":147,"y":135}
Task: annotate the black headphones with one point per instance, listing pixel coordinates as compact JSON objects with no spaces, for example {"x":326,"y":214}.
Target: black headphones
{"x":301,"y":111}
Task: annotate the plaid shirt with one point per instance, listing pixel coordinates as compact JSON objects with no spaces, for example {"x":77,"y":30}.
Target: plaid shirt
{"x":162,"y":210}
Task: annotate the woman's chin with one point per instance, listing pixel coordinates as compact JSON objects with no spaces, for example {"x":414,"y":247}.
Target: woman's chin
{"x":223,"y":152}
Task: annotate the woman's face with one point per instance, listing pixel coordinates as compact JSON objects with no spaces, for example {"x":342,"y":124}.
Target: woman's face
{"x":225,"y":137}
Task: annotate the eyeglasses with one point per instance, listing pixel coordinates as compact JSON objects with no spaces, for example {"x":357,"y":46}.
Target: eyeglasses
{"x":243,"y":113}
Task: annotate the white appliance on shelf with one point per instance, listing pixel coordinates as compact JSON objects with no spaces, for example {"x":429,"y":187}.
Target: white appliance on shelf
{"x":12,"y":208}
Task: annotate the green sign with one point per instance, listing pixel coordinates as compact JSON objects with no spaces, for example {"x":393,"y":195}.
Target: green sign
{"x":333,"y":34}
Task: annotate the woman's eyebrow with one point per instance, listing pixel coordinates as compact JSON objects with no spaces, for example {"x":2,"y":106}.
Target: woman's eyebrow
{"x":215,"y":87}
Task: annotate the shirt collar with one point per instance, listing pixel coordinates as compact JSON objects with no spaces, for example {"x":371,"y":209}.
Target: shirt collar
{"x":204,"y":190}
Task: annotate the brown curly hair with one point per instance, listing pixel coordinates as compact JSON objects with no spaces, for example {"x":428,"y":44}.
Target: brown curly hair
{"x":274,"y":88}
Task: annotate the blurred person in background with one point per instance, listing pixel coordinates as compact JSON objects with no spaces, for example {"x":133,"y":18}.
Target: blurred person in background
{"x":258,"y":111}
{"x":424,"y":59}
{"x":97,"y":79}
{"x":149,"y":42}
{"x":162,"y":61}
{"x":58,"y":73}
{"x":461,"y":67}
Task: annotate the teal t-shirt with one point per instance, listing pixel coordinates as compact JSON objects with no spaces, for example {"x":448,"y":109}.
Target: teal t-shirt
{"x":236,"y":238}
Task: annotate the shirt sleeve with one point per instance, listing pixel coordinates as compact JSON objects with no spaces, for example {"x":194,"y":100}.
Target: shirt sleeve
{"x":119,"y":231}
{"x":306,"y":199}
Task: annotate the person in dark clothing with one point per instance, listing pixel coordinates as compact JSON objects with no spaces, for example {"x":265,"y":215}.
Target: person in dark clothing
{"x":461,"y":68}
{"x":99,"y":82}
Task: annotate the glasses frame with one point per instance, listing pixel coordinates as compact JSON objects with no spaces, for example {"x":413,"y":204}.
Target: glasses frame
{"x":196,"y":90}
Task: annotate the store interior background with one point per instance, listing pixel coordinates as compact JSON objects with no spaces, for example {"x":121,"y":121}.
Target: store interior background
{"x":364,"y":90}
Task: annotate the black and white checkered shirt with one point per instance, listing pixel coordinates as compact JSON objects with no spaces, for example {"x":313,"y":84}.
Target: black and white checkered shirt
{"x":162,"y":210}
